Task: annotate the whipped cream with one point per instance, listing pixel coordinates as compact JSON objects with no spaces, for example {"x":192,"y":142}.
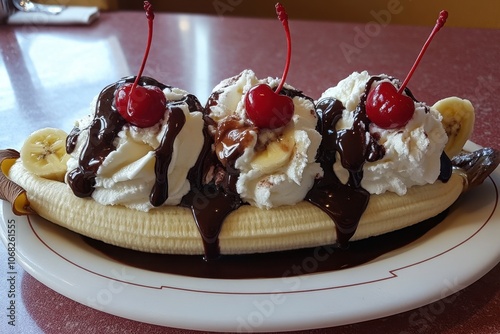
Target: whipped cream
{"x":412,"y":153}
{"x":277,"y":167}
{"x":127,"y":174}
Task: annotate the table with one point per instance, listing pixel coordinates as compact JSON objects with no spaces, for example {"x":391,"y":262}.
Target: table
{"x":49,"y":75}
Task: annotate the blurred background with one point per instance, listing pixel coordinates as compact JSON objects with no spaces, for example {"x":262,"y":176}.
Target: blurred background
{"x":463,"y":13}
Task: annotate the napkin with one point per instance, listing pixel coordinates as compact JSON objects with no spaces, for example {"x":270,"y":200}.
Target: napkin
{"x":70,"y":15}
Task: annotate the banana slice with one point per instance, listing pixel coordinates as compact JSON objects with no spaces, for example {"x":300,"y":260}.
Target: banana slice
{"x":276,"y":155}
{"x":44,"y":153}
{"x":458,"y":121}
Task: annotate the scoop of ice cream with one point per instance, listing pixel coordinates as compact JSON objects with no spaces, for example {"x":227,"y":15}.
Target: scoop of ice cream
{"x":273,"y":167}
{"x":127,"y":174}
{"x":412,"y":153}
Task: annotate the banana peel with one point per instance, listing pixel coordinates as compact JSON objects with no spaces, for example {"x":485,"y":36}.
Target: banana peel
{"x":9,"y":190}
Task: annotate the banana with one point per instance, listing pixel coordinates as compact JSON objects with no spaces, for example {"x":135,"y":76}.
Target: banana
{"x":44,"y":153}
{"x":458,"y":122}
{"x":172,"y":229}
{"x":276,"y":154}
{"x":246,"y":230}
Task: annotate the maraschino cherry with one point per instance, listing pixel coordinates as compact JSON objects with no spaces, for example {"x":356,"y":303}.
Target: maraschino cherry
{"x":267,"y":108}
{"x":387,"y":107}
{"x":142,"y":106}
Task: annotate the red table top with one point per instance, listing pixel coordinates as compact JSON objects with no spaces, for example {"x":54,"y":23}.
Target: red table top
{"x":50,"y":74}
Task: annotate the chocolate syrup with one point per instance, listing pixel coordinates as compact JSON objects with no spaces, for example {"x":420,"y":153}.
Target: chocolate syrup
{"x":270,"y":265}
{"x":209,"y":202}
{"x":176,"y":120}
{"x":103,"y":130}
{"x":344,"y":203}
{"x":210,"y":207}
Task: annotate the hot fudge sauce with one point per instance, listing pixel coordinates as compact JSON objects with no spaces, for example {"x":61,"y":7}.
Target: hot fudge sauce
{"x":270,"y":265}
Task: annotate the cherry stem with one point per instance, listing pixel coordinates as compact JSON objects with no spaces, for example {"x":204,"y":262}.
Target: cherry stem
{"x":148,"y":8}
{"x":283,"y":17}
{"x":443,"y":15}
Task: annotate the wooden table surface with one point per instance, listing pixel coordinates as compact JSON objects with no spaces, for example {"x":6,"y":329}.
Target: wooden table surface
{"x":49,"y":75}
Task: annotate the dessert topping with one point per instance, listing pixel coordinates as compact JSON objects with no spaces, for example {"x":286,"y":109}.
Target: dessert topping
{"x":389,"y":108}
{"x":265,"y":107}
{"x":142,"y":106}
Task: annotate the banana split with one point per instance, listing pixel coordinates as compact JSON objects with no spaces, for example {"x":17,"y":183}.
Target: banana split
{"x":261,"y":167}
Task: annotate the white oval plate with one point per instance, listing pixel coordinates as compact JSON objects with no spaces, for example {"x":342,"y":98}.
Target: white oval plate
{"x":448,"y":258}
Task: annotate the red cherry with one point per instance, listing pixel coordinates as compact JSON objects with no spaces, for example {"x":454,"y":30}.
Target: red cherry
{"x":265,"y":107}
{"x":387,"y":108}
{"x":143,"y":107}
